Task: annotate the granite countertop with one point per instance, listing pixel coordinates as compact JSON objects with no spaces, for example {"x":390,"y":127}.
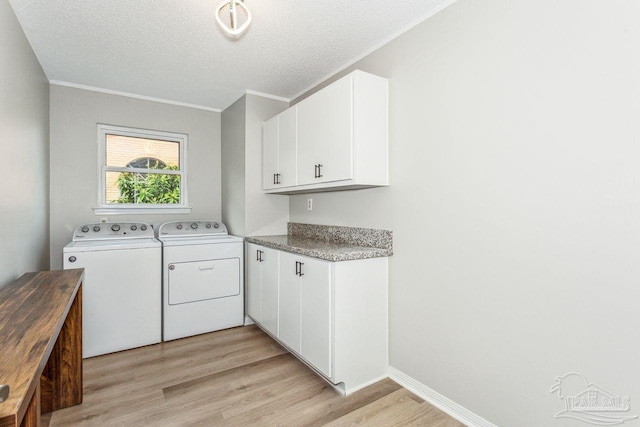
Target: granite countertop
{"x":338,"y":244}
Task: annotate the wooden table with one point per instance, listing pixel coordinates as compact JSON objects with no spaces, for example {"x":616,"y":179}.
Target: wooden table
{"x":40,"y":345}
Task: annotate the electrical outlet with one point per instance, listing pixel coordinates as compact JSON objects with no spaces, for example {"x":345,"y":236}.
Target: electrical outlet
{"x":309,"y":204}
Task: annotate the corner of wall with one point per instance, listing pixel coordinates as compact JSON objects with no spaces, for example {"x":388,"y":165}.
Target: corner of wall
{"x":265,"y":213}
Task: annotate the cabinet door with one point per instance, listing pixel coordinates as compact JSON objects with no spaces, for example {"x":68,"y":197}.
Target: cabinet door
{"x":270,"y":135}
{"x":287,"y":147}
{"x":269,"y":301}
{"x":254,"y":282}
{"x":325,"y":122}
{"x":289,"y":302}
{"x":316,"y":314}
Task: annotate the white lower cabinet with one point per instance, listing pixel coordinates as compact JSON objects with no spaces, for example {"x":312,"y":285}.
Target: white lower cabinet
{"x":331,"y":315}
{"x":262,"y":286}
{"x":290,"y":308}
{"x":305,"y":309}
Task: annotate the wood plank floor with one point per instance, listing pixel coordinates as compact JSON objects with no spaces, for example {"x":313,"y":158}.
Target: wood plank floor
{"x":235,"y":377}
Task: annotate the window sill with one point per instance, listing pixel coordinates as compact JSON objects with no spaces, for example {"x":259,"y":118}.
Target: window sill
{"x":141,"y":210}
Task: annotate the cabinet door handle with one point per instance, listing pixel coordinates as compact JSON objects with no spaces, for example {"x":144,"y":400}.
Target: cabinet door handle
{"x":260,"y":256}
{"x":274,"y":178}
{"x":278,"y":179}
{"x":299,"y":268}
{"x":318,"y":171}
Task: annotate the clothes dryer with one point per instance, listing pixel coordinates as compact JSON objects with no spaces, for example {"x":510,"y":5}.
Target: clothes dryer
{"x":202,"y":278}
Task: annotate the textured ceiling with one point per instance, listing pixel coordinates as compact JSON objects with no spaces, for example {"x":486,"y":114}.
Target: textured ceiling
{"x":174,"y":50}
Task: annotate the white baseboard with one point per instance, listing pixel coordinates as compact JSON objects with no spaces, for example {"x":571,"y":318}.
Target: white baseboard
{"x":441,"y":402}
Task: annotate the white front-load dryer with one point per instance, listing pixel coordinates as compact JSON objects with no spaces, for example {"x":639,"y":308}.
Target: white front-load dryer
{"x":121,"y":290}
{"x":202,"y":278}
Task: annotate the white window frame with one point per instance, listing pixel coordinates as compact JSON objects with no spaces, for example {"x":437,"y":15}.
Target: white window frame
{"x":114,"y":209}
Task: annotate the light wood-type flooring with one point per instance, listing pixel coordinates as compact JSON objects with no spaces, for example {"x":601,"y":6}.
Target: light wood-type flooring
{"x":235,"y":377}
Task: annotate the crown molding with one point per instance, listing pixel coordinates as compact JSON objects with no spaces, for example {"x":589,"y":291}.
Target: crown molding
{"x":132,"y":95}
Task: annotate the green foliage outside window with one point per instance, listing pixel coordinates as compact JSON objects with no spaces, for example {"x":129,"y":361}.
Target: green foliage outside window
{"x":152,"y":188}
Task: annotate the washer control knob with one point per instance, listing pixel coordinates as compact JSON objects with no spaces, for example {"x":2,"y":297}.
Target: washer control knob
{"x":115,"y":227}
{"x":216,"y":225}
{"x":194,"y":225}
{"x":85,"y":229}
{"x":134,"y":227}
{"x":172,"y":267}
{"x":72,"y":259}
{"x":96,"y":228}
{"x":208,"y":225}
{"x":143,"y":227}
{"x":179,"y":226}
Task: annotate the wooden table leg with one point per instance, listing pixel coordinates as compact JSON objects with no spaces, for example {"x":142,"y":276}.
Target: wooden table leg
{"x":32,"y":416}
{"x":61,"y":381}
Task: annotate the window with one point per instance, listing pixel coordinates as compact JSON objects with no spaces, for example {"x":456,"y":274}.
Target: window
{"x":141,"y":171}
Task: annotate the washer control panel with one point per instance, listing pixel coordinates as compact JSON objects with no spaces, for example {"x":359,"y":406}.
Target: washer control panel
{"x":192,"y":229}
{"x":113,"y":230}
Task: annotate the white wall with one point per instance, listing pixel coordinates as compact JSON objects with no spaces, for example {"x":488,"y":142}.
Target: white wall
{"x":265,"y":213}
{"x":24,"y":151}
{"x":75,"y":114}
{"x":233,"y":166}
{"x":247,"y":211}
{"x":514,"y":202}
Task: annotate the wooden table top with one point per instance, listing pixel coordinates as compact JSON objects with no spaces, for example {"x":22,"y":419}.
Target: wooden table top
{"x":32,"y":312}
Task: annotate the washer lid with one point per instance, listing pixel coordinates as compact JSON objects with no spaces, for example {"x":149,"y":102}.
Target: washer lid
{"x":187,"y":229}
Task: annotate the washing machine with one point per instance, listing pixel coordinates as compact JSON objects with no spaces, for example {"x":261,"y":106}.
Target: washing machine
{"x":202,"y":278}
{"x":122,"y":287}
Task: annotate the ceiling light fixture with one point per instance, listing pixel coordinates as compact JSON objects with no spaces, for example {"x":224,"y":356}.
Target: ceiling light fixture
{"x":233,"y":29}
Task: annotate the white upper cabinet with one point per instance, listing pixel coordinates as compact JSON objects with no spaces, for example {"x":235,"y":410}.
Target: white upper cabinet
{"x":270,"y":150}
{"x":279,"y":136}
{"x":325,"y":134}
{"x":335,"y":139}
{"x":288,"y":126}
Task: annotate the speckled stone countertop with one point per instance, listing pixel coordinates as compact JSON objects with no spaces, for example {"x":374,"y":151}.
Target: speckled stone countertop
{"x":330,"y":243}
